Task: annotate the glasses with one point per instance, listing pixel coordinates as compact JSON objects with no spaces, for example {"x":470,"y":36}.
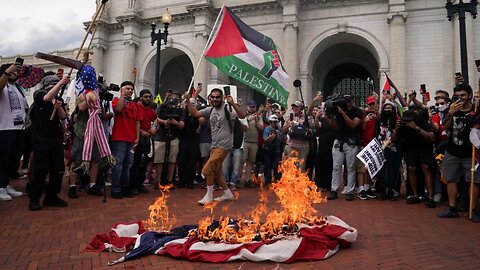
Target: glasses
{"x":215,"y":97}
{"x":386,"y":92}
{"x":277,"y":112}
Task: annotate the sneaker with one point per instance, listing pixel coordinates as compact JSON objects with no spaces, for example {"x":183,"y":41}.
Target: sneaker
{"x":349,"y":197}
{"x":224,"y":197}
{"x":12,"y":192}
{"x":475,"y":217}
{"x":370,"y":194}
{"x":438,"y":197}
{"x":117,"y":195}
{"x":363,"y":195}
{"x":108,"y":184}
{"x":4,"y":195}
{"x":54,"y":201}
{"x":34,"y":206}
{"x":344,"y":191}
{"x":232,"y":186}
{"x":206,"y":200}
{"x":449,"y":213}
{"x":413,"y":200}
{"x":332,"y":195}
{"x":395,"y":193}
{"x":430,"y":203}
{"x":72,"y":192}
{"x":95,"y":190}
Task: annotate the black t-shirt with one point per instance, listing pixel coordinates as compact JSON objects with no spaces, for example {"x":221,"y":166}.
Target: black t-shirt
{"x":459,"y":143}
{"x":345,"y":133}
{"x":42,"y":126}
{"x":173,"y":130}
{"x":237,"y":134}
{"x":413,"y":140}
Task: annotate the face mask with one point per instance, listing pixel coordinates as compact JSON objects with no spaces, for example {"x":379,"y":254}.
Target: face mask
{"x":442,"y":108}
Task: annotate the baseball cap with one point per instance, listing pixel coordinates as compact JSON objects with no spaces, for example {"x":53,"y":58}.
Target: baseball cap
{"x":252,"y":103}
{"x":371,"y":99}
{"x":297,"y":103}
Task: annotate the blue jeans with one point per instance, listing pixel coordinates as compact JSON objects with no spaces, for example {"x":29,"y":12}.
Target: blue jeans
{"x":121,"y":171}
{"x":270,"y":161}
{"x":233,"y":161}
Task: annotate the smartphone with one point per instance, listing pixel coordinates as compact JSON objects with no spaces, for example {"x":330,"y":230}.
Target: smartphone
{"x":291,"y":116}
{"x":427,"y":96}
{"x":226,"y":89}
{"x":458,"y":74}
{"x":423,"y":88}
{"x":19,"y":60}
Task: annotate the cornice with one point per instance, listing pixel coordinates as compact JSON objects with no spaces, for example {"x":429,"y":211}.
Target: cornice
{"x":403,"y":15}
{"x":307,"y":4}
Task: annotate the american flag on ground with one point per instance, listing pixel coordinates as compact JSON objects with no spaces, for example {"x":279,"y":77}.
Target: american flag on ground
{"x":310,"y":243}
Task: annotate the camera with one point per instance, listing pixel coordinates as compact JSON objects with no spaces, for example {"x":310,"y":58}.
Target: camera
{"x":171,"y":110}
{"x":104,"y":90}
{"x":332,"y":103}
{"x":433,"y":109}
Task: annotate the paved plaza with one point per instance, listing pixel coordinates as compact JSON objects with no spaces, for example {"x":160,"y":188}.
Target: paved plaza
{"x":392,"y":235}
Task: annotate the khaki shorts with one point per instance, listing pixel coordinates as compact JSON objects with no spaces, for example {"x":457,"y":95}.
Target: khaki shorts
{"x":250,"y":151}
{"x":160,"y":152}
{"x":359,"y":164}
{"x":213,"y":167}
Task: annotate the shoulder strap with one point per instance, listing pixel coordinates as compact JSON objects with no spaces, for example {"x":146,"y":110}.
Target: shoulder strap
{"x":227,"y":115}
{"x":20,"y":89}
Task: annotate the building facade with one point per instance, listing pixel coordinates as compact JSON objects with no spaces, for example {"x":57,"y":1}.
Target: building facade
{"x":332,"y":46}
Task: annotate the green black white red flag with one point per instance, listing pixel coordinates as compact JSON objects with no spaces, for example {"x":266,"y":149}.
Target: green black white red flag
{"x":248,"y":56}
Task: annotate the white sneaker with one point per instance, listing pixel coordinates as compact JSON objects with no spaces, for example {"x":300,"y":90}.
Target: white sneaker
{"x":12,"y":192}
{"x":206,"y":200}
{"x":438,"y":197}
{"x":108,"y":184}
{"x":344,"y":191}
{"x":4,"y":195}
{"x":224,"y":197}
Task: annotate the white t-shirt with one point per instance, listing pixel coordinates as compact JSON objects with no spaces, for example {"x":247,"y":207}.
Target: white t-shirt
{"x":12,"y":108}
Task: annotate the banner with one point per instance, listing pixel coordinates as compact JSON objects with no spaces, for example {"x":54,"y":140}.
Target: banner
{"x":249,"y":57}
{"x":372,"y":156}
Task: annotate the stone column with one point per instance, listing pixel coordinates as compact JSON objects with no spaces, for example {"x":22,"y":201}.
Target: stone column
{"x":398,"y":67}
{"x":128,"y":59}
{"x":98,"y":58}
{"x":290,"y":48}
{"x":204,"y":19}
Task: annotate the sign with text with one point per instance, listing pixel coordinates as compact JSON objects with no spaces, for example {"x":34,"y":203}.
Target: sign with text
{"x":372,"y":156}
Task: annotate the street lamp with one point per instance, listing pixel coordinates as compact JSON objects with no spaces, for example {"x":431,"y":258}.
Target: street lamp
{"x":461,"y":8}
{"x":158,"y":37}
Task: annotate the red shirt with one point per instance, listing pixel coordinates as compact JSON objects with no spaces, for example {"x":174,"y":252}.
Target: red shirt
{"x":124,"y":126}
{"x":368,"y":133}
{"x":441,"y":135}
{"x":149,"y":116}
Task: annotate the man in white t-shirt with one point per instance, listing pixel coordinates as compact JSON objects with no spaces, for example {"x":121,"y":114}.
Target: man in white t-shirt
{"x":13,"y":107}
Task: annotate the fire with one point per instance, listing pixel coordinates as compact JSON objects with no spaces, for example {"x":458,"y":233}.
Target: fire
{"x":160,"y":218}
{"x":296,"y":195}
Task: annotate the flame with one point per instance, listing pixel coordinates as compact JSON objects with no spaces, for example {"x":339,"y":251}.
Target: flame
{"x":160,"y":218}
{"x":296,"y":196}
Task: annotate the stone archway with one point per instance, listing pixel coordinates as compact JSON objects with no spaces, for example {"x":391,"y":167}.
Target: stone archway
{"x":176,"y":71}
{"x":345,"y":47}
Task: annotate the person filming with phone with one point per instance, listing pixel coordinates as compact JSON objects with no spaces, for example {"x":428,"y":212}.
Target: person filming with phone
{"x":13,"y":108}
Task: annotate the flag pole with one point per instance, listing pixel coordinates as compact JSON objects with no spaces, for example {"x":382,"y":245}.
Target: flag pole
{"x":206,"y":46}
{"x":472,"y":169}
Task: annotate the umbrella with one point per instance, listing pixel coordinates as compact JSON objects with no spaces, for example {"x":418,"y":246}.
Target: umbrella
{"x":60,"y":60}
{"x":30,"y":76}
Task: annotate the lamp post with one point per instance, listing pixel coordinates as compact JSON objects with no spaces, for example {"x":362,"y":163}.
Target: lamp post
{"x":461,"y":8}
{"x":158,"y":37}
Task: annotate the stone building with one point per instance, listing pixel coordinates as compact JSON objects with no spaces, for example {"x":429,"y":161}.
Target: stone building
{"x":330,"y":45}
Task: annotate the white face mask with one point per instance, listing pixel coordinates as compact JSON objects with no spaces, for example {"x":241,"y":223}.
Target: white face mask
{"x":442,"y":108}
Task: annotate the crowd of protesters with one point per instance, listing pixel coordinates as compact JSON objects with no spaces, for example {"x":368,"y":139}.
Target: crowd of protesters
{"x":220,"y":144}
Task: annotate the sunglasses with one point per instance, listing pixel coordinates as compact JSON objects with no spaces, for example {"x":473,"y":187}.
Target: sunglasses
{"x":215,"y":97}
{"x":439,"y":103}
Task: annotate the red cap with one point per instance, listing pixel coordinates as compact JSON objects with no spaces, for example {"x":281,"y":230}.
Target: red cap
{"x":371,"y":99}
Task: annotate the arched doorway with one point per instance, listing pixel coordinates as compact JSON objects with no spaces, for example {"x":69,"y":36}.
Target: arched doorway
{"x":346,"y":68}
{"x":176,"y":71}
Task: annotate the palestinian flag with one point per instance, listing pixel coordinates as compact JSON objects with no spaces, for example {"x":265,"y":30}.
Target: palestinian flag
{"x":248,"y":56}
{"x":389,"y":86}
